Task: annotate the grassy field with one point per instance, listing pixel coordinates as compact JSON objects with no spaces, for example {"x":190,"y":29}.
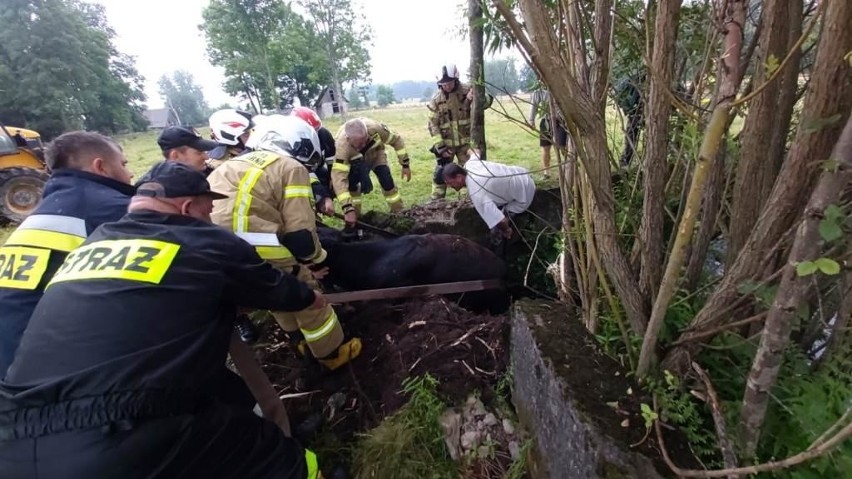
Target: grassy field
{"x":507,"y":142}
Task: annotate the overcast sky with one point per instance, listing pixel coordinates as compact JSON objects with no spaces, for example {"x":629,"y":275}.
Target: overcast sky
{"x":411,"y":40}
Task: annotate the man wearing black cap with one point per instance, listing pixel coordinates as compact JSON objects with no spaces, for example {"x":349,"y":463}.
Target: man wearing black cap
{"x":184,"y":144}
{"x":119,"y":371}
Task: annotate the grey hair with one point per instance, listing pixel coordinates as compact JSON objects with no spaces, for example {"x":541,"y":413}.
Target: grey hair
{"x":355,"y":128}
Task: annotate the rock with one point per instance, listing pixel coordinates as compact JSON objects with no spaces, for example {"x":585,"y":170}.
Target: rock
{"x":450,"y":422}
{"x":478,"y":409}
{"x":514,"y":450}
{"x":470,"y":440}
{"x":508,"y":428}
{"x":490,"y":420}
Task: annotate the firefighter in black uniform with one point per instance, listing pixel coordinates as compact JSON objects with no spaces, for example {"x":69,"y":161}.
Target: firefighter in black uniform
{"x":119,"y":371}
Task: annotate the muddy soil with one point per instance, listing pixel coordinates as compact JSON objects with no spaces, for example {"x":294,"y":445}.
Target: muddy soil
{"x":464,"y":351}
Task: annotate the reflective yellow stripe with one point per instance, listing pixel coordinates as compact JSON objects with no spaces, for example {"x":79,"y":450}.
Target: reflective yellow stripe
{"x":314,"y":179}
{"x":266,"y":245}
{"x":21,"y":267}
{"x":393,"y":198}
{"x":391,"y":137}
{"x":297,"y":191}
{"x":134,"y":260}
{"x":320,"y":257}
{"x":45,"y":239}
{"x":273,"y":252}
{"x":464,"y":122}
{"x":260,"y":159}
{"x":401,"y":152}
{"x":344,"y":167}
{"x":242,"y":205}
{"x":314,"y":335}
{"x":311,"y":463}
{"x":344,"y":198}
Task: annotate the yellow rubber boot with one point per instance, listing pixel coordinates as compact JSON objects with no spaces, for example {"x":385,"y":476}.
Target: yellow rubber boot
{"x":345,"y":353}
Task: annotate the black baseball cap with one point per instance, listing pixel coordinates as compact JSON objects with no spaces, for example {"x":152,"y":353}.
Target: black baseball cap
{"x":177,"y":136}
{"x":170,"y":179}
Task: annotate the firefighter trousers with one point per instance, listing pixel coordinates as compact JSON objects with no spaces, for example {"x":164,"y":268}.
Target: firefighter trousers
{"x":320,"y":327}
{"x":217,"y":441}
{"x":377,"y":162}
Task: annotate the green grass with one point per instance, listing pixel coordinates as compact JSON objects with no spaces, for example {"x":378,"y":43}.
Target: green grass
{"x":508,"y":143}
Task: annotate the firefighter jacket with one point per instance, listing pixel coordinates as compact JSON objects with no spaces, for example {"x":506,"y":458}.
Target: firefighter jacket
{"x":131,"y":326}
{"x":449,"y":119}
{"x":74,"y":203}
{"x":221,"y":154}
{"x":379,"y":135}
{"x":269,"y":205}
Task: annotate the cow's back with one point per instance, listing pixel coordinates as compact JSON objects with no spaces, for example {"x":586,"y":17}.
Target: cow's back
{"x":419,"y":259}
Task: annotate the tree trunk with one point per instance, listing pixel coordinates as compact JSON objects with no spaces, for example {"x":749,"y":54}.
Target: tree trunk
{"x":655,"y":167}
{"x":710,"y":206}
{"x":826,"y":106}
{"x":586,"y":124}
{"x":729,"y":72}
{"x":808,"y":246}
{"x":477,"y":62}
{"x":756,"y":170}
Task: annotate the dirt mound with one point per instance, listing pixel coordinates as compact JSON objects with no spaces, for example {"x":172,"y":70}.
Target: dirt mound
{"x":463,"y":351}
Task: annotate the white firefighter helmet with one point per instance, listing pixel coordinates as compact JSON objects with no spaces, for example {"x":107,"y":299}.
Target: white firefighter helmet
{"x":228,"y":125}
{"x":287,"y":135}
{"x":448,"y":73}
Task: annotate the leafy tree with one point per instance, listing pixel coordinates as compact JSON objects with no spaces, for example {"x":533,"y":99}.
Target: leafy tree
{"x":384,"y":95}
{"x":267,"y":51}
{"x":60,"y":70}
{"x":358,"y":97}
{"x":344,"y":37}
{"x":527,"y":78}
{"x":181,"y":93}
{"x":501,"y":77}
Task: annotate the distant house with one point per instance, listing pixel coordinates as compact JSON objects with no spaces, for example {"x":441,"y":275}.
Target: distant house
{"x":329,"y":103}
{"x":161,"y":118}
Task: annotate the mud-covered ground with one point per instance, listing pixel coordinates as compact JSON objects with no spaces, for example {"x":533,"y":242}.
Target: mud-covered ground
{"x":465,"y":352}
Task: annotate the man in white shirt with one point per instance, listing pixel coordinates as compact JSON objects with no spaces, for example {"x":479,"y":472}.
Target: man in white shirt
{"x":496,"y":190}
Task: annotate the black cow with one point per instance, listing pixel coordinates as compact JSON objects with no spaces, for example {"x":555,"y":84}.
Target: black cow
{"x":413,"y":260}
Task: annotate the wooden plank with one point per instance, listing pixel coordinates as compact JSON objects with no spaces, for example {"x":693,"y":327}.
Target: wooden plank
{"x":411,"y":291}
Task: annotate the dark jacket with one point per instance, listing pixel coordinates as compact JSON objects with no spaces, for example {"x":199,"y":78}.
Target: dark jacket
{"x":131,"y":326}
{"x":74,"y":203}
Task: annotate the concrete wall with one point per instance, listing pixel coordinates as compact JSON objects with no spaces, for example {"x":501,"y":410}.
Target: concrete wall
{"x":569,"y":443}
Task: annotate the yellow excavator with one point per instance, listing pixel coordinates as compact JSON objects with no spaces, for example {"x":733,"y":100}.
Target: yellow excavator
{"x":22,"y":172}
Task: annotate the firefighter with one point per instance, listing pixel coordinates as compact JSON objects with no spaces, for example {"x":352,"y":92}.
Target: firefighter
{"x":269,"y":205}
{"x":361,"y":142}
{"x":118,"y":374}
{"x":321,"y":177}
{"x":230,"y":129}
{"x":90,"y":185}
{"x":449,"y":123}
{"x":184,"y":144}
